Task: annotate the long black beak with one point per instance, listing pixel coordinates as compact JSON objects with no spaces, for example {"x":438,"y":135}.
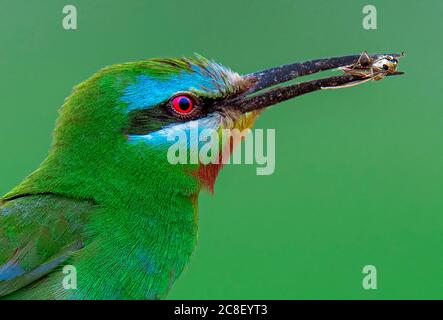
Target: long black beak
{"x":258,"y":97}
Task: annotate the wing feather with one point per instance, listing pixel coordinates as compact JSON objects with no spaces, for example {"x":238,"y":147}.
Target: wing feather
{"x":37,"y":234}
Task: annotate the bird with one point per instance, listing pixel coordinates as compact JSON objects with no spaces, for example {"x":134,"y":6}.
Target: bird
{"x":106,"y":200}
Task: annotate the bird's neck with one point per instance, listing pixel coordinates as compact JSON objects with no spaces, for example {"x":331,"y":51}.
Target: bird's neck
{"x":156,"y":214}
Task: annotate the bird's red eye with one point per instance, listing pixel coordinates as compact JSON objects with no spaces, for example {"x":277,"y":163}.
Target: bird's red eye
{"x":182,"y":105}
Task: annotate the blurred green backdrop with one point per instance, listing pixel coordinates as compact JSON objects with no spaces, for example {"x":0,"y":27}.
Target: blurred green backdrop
{"x":359,"y":172}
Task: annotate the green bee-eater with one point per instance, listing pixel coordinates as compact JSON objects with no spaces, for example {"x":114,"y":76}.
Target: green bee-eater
{"x":106,"y":200}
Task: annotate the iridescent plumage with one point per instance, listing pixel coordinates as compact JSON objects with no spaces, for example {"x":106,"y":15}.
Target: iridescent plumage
{"x":106,"y":200}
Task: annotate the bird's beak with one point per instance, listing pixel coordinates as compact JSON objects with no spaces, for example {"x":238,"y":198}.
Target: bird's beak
{"x":261,"y":95}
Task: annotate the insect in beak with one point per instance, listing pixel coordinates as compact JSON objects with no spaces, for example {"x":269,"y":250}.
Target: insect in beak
{"x":266,"y":90}
{"x":371,"y":68}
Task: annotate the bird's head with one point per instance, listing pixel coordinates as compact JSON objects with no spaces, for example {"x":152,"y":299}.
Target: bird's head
{"x":129,"y":115}
{"x":117,"y":125}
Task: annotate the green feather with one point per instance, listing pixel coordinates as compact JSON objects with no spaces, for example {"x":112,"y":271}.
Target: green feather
{"x":141,"y":226}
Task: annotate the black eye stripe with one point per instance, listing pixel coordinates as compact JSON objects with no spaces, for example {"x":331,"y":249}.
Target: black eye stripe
{"x":149,"y":120}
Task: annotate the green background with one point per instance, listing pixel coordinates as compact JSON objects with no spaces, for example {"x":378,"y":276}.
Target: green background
{"x":359,"y":172}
